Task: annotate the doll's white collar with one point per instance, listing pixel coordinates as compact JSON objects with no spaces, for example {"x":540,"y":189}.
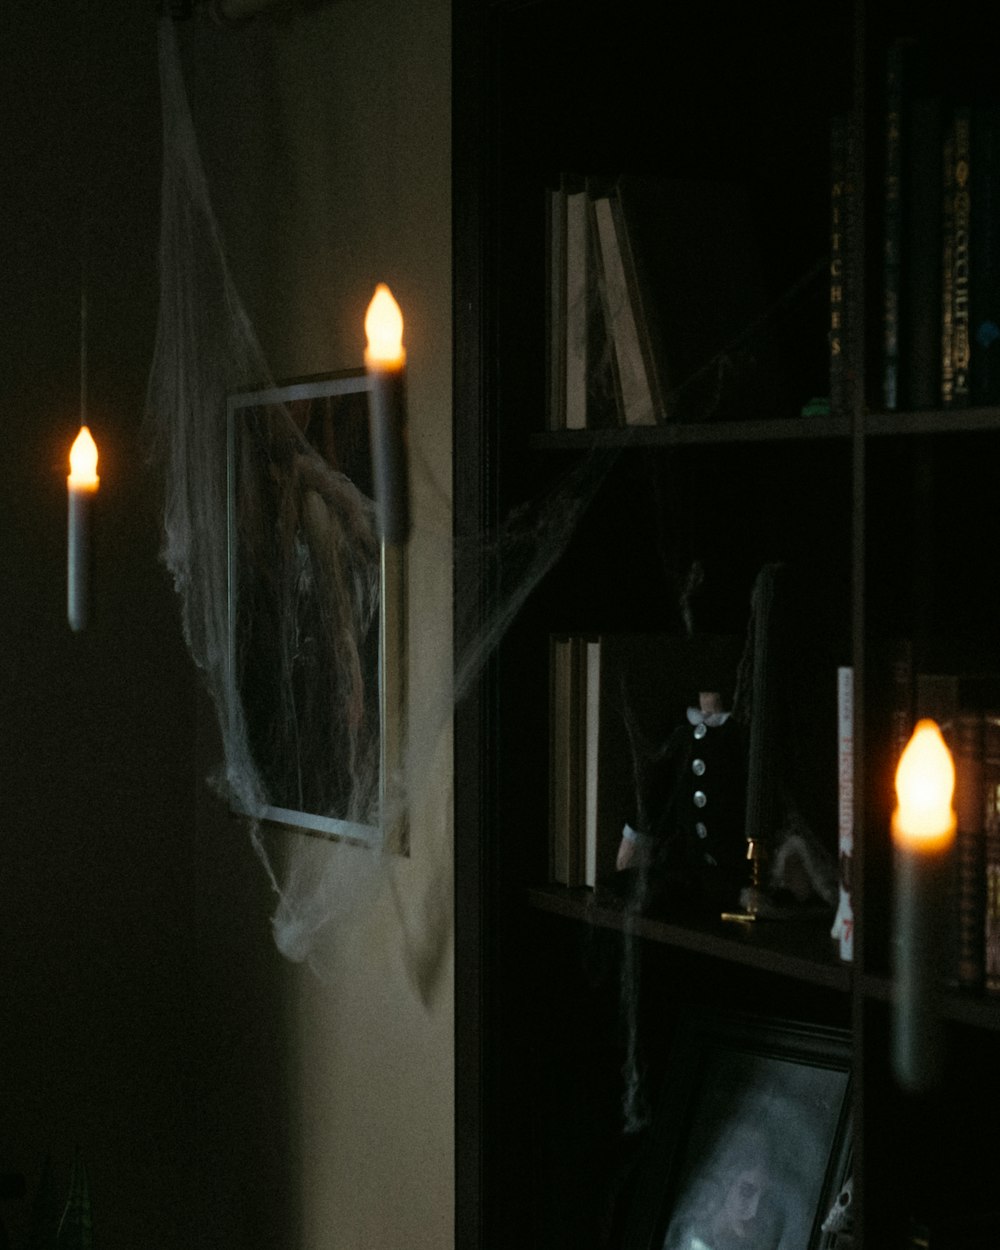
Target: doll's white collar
{"x":697,"y":717}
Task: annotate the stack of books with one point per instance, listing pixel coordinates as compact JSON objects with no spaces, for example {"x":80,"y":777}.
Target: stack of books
{"x":941,"y":243}
{"x":655,"y":303}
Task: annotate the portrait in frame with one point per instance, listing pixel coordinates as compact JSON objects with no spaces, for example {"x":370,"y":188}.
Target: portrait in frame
{"x":317,"y":614}
{"x":750,"y":1143}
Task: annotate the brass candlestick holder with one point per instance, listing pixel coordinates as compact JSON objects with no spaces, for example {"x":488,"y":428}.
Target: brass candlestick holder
{"x":753,"y":895}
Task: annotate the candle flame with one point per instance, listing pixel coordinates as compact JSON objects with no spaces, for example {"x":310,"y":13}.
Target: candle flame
{"x":925,"y":784}
{"x":83,"y":461}
{"x":384,"y":329}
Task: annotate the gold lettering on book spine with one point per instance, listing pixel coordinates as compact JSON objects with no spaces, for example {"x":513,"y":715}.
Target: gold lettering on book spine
{"x":960,"y":261}
{"x":947,"y":273}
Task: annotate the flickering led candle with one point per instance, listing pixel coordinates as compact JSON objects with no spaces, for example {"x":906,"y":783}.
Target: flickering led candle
{"x":923,"y":834}
{"x":385,"y":360}
{"x":82,"y":485}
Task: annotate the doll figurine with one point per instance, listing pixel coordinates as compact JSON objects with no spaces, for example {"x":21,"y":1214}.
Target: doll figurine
{"x":687,"y":844}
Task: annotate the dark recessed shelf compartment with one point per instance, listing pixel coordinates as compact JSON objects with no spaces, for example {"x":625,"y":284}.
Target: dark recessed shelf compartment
{"x":800,"y":948}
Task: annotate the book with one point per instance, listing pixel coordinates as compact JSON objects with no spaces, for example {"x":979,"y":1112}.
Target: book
{"x":838,"y":258}
{"x":947,"y":264}
{"x":965,"y":708}
{"x":991,"y":853}
{"x":957,"y":250}
{"x":968,"y":886}
{"x":616,"y":699}
{"x":920,"y":282}
{"x":984,"y":227}
{"x":584,"y":392}
{"x":555,"y":305}
{"x":576,"y":356}
{"x":638,"y":686}
{"x":623,"y":313}
{"x":892,"y":225}
{"x":565,"y":794}
{"x":911,"y":233}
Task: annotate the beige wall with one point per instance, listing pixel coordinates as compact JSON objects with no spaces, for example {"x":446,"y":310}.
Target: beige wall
{"x":333,"y":173}
{"x":221,"y":1096}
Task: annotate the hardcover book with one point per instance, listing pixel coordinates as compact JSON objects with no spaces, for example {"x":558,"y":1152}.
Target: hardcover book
{"x":958,"y":215}
{"x":838,"y":259}
{"x":566,"y":674}
{"x":991,"y":820}
{"x":984,"y":295}
{"x":616,"y":699}
{"x":623,"y":313}
{"x":920,"y":287}
{"x":892,"y":228}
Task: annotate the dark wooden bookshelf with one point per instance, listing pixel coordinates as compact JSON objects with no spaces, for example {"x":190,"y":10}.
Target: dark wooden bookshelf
{"x":890,"y":516}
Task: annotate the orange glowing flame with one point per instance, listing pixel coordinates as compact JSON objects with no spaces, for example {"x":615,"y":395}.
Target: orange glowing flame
{"x":83,"y":461}
{"x":925,"y":784}
{"x":384,"y":330}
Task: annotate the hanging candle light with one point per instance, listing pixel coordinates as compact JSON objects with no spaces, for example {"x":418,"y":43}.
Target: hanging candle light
{"x":385,"y":361}
{"x":923,"y":835}
{"x":82,"y":484}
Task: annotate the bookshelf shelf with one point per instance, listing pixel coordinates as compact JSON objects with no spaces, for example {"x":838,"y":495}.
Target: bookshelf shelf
{"x":799,"y":949}
{"x":884,"y":513}
{"x":792,"y":429}
{"x":974,"y":1010}
{"x":950,"y":421}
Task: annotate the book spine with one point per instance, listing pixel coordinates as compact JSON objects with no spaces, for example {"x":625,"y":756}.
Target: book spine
{"x":604,"y":395}
{"x":961,"y":257}
{"x":576,"y":346}
{"x":968,"y":884}
{"x":948,"y":266}
{"x":893,"y":226}
{"x":555,"y":306}
{"x":984,"y":298}
{"x":630,"y":371}
{"x":838,"y":186}
{"x":991,"y":852}
{"x":565,"y":761}
{"x":591,"y":753}
{"x":920,"y":291}
{"x":843,"y":924}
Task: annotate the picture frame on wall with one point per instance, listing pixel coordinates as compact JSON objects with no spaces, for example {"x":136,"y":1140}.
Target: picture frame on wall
{"x":317,"y":615}
{"x":750,"y":1140}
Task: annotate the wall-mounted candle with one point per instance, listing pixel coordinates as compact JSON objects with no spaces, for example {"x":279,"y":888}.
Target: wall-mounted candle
{"x":923,"y":834}
{"x":82,"y":485}
{"x":385,"y":360}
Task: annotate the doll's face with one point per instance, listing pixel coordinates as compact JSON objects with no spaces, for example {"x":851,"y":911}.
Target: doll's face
{"x":742,"y":1200}
{"x":710,"y":702}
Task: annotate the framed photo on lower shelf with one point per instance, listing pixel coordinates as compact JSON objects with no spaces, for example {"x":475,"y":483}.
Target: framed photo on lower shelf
{"x":750,"y":1144}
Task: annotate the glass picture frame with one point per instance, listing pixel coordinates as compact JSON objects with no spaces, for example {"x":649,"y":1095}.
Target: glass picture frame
{"x":316,"y":614}
{"x":749,"y":1144}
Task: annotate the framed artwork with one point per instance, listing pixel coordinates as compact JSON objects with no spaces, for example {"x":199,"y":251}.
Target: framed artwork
{"x":317,"y":632}
{"x":749,"y":1145}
